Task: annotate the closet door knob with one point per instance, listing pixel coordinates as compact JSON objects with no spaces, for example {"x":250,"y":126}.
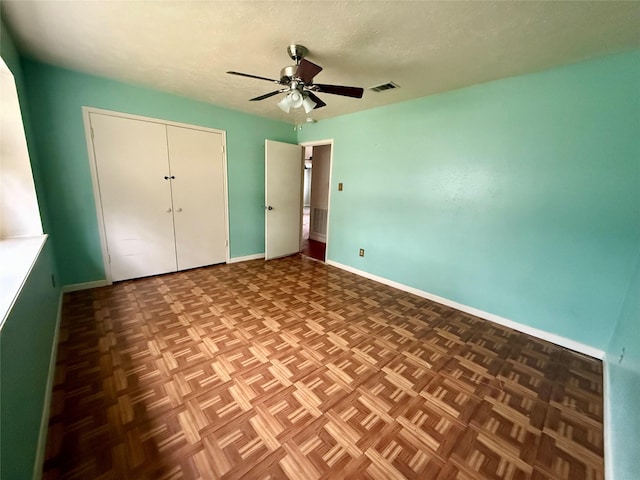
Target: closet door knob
{"x":168,"y":210}
{"x":179,"y":210}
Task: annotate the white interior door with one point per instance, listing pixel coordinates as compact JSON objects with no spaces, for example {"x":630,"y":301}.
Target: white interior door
{"x":283,"y":195}
{"x":198,"y":189}
{"x":132,"y":163}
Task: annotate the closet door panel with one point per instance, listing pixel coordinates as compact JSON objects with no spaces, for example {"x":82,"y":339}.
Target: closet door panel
{"x":198,"y":196}
{"x":131,"y":162}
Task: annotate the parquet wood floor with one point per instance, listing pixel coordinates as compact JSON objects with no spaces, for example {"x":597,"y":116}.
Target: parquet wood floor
{"x":292,"y":369}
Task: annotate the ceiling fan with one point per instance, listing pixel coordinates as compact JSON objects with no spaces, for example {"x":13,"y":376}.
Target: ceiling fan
{"x":297,"y":82}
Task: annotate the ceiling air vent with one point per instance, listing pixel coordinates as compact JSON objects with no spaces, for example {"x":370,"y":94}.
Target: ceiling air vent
{"x":384,"y":86}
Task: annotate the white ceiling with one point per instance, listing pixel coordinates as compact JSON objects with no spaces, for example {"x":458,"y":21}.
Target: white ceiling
{"x":185,"y":47}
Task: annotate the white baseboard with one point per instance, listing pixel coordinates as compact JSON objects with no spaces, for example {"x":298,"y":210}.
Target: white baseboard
{"x":46,"y":408}
{"x":246,"y":258}
{"x":318,"y":237}
{"x":103,"y":283}
{"x":541,"y":334}
{"x":85,"y":286}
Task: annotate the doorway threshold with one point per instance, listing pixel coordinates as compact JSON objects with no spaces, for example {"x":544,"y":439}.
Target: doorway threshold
{"x":314,"y":249}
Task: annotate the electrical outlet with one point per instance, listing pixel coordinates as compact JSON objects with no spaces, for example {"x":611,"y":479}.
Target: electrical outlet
{"x":361,"y":252}
{"x":621,"y":355}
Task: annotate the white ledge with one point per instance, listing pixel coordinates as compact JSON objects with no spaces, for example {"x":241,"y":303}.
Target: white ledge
{"x":17,"y":258}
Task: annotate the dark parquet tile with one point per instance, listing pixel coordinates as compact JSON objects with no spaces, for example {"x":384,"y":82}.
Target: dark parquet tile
{"x":292,"y":369}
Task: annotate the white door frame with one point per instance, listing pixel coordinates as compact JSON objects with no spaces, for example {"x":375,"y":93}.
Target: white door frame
{"x":317,"y":143}
{"x":86,"y":111}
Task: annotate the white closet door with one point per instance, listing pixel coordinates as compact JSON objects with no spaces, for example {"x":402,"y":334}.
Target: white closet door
{"x":197,"y":163}
{"x":131,"y":162}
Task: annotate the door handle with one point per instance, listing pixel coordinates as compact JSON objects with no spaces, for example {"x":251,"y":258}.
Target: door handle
{"x":172,"y":177}
{"x":179,"y":210}
{"x":269,"y":207}
{"x":168,"y":210}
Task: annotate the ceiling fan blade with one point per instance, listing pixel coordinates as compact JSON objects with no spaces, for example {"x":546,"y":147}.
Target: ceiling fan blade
{"x":307,"y":70}
{"x":254,"y":76}
{"x":319,"y":103}
{"x":267,"y":95}
{"x":355,"y":92}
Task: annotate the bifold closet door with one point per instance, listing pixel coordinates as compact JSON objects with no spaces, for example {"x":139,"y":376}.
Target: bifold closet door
{"x":197,"y":163}
{"x":132,"y":163}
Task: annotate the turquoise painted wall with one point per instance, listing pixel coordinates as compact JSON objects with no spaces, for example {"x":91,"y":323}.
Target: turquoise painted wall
{"x":520,"y":197}
{"x":26,"y":338}
{"x":26,"y":342}
{"x":623,"y":389}
{"x":55,"y":98}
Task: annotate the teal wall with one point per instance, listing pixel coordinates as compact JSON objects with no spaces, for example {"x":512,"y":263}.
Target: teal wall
{"x":55,"y":98}
{"x":519,"y":197}
{"x":623,"y":389}
{"x":26,"y":342}
{"x":26,"y":338}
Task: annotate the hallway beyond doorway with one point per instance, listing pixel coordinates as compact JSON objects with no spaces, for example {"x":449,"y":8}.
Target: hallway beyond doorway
{"x":314,"y":249}
{"x":311,"y":248}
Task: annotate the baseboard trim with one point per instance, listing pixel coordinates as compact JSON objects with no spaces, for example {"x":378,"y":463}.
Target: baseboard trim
{"x":46,"y":408}
{"x":541,"y":334}
{"x":246,"y":258}
{"x":85,"y":286}
{"x":318,"y":237}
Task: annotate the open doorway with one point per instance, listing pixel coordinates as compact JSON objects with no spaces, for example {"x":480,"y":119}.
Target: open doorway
{"x":315,"y":204}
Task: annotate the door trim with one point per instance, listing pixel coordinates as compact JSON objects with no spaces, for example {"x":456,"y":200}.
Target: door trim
{"x":318,"y":143}
{"x":95,"y":184}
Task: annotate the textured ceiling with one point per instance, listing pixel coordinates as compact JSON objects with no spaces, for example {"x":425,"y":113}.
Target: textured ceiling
{"x":425,"y":47}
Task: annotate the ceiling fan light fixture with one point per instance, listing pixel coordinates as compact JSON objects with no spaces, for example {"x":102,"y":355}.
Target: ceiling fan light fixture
{"x":296,"y":99}
{"x":308,"y":104}
{"x":285,"y":103}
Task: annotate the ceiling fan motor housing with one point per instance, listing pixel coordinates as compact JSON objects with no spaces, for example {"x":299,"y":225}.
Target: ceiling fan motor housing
{"x":287,"y":73}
